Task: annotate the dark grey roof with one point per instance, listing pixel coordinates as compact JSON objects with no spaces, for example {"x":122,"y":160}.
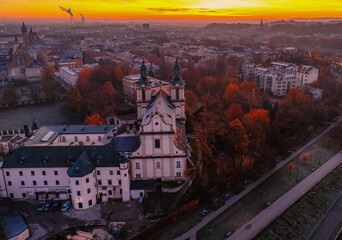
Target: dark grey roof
{"x":61,"y":156}
{"x":67,"y":129}
{"x":144,"y":184}
{"x":3,"y":66}
{"x":11,"y":221}
{"x":82,"y":166}
{"x":127,"y":144}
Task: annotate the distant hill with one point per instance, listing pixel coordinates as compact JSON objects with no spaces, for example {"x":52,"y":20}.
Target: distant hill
{"x":228,"y":27}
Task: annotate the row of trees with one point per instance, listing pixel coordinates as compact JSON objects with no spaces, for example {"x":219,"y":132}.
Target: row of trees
{"x":239,"y":128}
{"x":95,"y":91}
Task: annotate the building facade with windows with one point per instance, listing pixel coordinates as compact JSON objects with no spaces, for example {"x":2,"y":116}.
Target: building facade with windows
{"x":87,"y":164}
{"x":280,"y":77}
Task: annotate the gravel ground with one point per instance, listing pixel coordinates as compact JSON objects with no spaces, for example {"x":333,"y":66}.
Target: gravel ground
{"x":44,"y":225}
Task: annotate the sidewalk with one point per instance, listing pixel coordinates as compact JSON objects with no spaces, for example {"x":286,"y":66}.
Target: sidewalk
{"x":252,"y":228}
{"x":191,"y":233}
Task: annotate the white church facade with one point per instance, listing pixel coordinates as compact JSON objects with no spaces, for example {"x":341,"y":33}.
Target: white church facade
{"x":90,"y":163}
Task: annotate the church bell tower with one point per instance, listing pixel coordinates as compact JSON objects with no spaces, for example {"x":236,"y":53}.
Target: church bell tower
{"x":143,"y":88}
{"x":177,"y":92}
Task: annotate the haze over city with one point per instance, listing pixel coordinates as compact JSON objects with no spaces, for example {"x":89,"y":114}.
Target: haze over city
{"x":170,"y":120}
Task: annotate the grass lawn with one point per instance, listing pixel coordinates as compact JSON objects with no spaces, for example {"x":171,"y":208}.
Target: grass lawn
{"x":302,"y":218}
{"x":158,"y":203}
{"x":274,"y":187}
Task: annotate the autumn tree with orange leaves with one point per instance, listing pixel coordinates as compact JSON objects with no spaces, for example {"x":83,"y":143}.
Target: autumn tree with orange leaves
{"x":237,"y":143}
{"x":95,"y":92}
{"x":232,"y":94}
{"x":235,"y":111}
{"x":93,"y":120}
{"x":48,"y":82}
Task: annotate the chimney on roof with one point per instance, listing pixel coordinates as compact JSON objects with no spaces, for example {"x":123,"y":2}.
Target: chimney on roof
{"x":127,"y":129}
{"x":27,"y":131}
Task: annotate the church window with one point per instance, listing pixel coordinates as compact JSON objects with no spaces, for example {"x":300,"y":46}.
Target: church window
{"x":21,"y":61}
{"x":178,"y":164}
{"x":143,"y":95}
{"x":177,"y":94}
{"x":157,"y":143}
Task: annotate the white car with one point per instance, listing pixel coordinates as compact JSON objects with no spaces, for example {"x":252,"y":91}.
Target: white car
{"x":66,"y":206}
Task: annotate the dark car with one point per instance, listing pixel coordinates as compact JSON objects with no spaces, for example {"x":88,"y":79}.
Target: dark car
{"x":245,"y":182}
{"x":41,"y":206}
{"x":55,"y":206}
{"x":226,"y":196}
{"x":47,"y":207}
{"x":204,"y":212}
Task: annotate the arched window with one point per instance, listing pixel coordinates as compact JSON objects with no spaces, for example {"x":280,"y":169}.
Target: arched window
{"x":88,"y":139}
{"x":157,"y":164}
{"x":76,"y":139}
{"x":99,"y":138}
{"x":21,"y":62}
{"x":63,"y":139}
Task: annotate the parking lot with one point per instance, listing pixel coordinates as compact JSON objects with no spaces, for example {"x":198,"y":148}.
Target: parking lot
{"x":48,"y":224}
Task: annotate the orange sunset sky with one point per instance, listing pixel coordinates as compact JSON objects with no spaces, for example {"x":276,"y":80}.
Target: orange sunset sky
{"x":192,"y":9}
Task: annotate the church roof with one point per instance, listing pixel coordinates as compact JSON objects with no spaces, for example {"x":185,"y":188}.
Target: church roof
{"x":126,"y":144}
{"x":160,"y":105}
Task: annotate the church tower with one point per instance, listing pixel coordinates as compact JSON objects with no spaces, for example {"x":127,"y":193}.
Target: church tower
{"x":177,"y":92}
{"x":143,"y":88}
{"x":23,"y":30}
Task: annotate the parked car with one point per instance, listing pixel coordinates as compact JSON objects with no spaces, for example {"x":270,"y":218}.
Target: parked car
{"x":229,"y":233}
{"x":41,"y":206}
{"x":66,"y":206}
{"x":47,"y":207}
{"x":55,"y":206}
{"x":268,"y":204}
{"x":226,"y":196}
{"x":141,"y":200}
{"x":245,"y":182}
{"x":204,"y":212}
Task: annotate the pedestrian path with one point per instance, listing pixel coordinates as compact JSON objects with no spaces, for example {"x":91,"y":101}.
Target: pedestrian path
{"x":252,"y":228}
